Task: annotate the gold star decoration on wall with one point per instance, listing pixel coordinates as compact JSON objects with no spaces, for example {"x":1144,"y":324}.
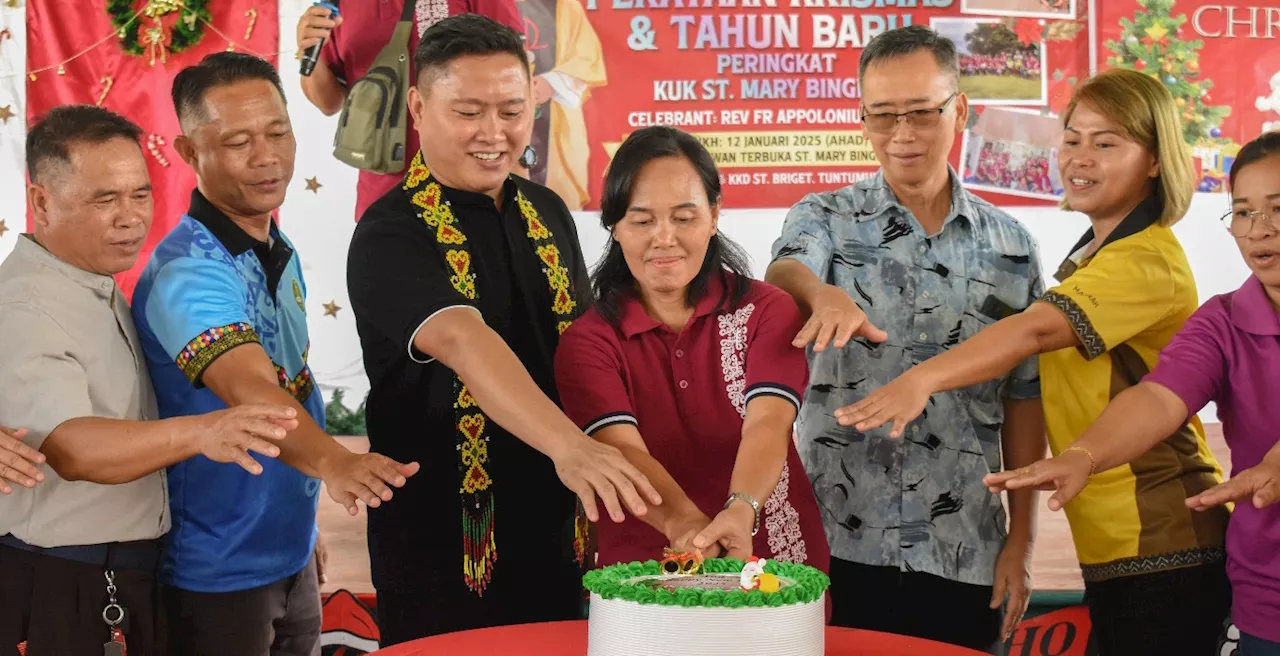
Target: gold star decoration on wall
{"x":3,"y":228}
{"x":331,"y":309}
{"x":313,"y":185}
{"x":6,"y":113}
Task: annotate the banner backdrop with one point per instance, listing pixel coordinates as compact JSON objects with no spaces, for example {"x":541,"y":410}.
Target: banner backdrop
{"x":771,"y":86}
{"x":123,"y":55}
{"x":1221,"y":62}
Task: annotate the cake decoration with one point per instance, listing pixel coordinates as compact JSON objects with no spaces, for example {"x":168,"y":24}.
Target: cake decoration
{"x":681,"y":562}
{"x":773,"y":608}
{"x":751,"y":573}
{"x":716,"y":586}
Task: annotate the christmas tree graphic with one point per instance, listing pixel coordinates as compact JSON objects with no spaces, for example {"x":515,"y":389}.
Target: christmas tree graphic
{"x":1151,"y":44}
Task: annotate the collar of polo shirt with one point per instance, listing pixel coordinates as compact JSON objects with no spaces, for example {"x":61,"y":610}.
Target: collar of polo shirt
{"x":1251,"y":309}
{"x":29,"y":248}
{"x":634,"y":320}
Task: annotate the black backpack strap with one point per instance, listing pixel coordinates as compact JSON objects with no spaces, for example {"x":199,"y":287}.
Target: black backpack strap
{"x":406,"y":14}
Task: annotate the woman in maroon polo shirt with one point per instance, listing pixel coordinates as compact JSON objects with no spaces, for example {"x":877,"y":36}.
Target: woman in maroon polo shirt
{"x":686,"y":364}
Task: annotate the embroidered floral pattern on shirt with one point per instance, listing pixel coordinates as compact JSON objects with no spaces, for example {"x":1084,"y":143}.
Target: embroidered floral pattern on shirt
{"x":733,"y":346}
{"x":429,"y":12}
{"x":781,"y":521}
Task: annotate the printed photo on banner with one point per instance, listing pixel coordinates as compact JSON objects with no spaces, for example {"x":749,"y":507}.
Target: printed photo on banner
{"x":1057,"y":9}
{"x":567,"y":62}
{"x":1012,"y":151}
{"x":996,"y":68}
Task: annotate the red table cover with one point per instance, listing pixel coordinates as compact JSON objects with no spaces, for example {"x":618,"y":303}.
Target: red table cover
{"x":570,"y":639}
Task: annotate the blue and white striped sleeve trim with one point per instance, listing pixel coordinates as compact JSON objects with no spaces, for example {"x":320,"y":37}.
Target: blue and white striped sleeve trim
{"x":772,"y":389}
{"x":609,"y":420}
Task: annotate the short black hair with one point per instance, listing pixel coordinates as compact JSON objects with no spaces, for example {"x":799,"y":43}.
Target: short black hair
{"x":1264,"y":146}
{"x":219,"y":69}
{"x":464,"y":35}
{"x":909,"y":40}
{"x":50,"y":139}
{"x":612,"y":277}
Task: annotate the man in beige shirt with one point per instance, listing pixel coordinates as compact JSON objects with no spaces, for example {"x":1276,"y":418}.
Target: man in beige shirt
{"x":79,"y":536}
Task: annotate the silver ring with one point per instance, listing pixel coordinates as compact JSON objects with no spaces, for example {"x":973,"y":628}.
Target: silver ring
{"x":106,"y":615}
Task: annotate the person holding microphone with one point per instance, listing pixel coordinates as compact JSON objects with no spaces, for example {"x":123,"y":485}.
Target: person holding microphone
{"x":350,"y":39}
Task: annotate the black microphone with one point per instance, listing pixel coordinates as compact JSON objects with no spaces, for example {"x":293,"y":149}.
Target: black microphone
{"x":312,"y":54}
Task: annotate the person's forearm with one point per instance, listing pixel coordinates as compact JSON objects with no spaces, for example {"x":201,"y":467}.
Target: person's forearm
{"x":793,"y":277}
{"x":1135,"y":421}
{"x":988,"y":355}
{"x":675,"y":506}
{"x":503,"y":388}
{"x":115,"y":451}
{"x":324,"y":90}
{"x":762,"y":452}
{"x":307,"y":448}
{"x":1022,"y":440}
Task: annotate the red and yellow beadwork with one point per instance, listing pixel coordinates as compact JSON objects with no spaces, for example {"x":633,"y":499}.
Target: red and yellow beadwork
{"x":480,"y":551}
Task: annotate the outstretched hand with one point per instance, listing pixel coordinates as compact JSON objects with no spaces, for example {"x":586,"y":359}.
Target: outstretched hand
{"x":835,"y":319}
{"x":1066,"y":475}
{"x":590,"y":469}
{"x":356,"y":477}
{"x":230,"y":435}
{"x":1261,"y":483}
{"x":899,"y":402}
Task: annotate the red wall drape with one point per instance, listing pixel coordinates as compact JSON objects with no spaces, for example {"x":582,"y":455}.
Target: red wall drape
{"x":58,"y":29}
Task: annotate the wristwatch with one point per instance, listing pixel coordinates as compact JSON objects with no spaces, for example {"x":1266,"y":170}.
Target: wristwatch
{"x":750,"y":500}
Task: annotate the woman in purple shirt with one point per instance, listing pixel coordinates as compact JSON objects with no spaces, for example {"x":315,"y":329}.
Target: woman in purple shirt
{"x":1228,"y":353}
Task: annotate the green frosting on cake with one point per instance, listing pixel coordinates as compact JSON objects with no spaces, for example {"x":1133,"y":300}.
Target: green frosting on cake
{"x":614,"y":582}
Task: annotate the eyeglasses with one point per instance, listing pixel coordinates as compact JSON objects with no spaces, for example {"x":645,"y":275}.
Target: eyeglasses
{"x":886,"y":122}
{"x":1240,"y":222}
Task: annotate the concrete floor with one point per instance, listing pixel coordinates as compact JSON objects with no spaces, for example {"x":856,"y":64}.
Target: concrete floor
{"x":1054,"y":563}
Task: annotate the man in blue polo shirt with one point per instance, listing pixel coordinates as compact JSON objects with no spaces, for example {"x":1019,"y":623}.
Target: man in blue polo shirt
{"x":221,"y":312}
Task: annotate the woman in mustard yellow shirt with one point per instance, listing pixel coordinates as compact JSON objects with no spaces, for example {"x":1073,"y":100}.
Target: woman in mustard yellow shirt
{"x":1154,"y":570}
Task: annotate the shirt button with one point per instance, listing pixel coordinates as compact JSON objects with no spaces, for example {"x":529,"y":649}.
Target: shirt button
{"x":684,"y":384}
{"x":922,"y":337}
{"x":679,"y":353}
{"x":922,"y":250}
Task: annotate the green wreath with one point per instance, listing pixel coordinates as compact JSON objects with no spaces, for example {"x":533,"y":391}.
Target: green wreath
{"x":183,"y":34}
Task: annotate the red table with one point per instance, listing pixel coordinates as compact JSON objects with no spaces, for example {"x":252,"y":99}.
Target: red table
{"x":570,"y":639}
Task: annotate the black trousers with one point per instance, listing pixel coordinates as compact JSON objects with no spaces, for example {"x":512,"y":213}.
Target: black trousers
{"x":278,"y":619}
{"x":55,"y":606}
{"x":1180,"y":611}
{"x":922,"y":605}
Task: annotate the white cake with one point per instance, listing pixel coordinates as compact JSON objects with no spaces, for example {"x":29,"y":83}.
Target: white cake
{"x":637,"y":609}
